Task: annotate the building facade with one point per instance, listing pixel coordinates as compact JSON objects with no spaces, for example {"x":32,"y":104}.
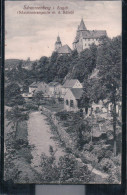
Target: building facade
{"x":54,"y":89}
{"x":72,"y":99}
{"x":72,"y":83}
{"x":84,"y":38}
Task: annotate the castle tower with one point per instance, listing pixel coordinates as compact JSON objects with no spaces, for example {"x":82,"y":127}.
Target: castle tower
{"x":58,"y":43}
{"x":82,"y":26}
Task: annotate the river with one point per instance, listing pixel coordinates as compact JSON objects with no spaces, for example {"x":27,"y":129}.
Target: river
{"x":39,"y":135}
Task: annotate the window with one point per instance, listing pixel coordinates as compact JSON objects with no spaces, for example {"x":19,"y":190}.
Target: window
{"x":71,"y":103}
{"x":66,"y":102}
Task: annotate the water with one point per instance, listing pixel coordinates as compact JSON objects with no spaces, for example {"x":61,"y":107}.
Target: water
{"x":39,"y":135}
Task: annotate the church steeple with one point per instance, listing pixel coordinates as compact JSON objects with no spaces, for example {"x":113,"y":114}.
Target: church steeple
{"x":58,"y":43}
{"x":82,"y":26}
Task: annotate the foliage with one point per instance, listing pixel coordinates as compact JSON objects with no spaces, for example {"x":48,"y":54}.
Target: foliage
{"x":37,"y":97}
{"x":13,"y":95}
{"x":15,"y":115}
{"x":49,"y":169}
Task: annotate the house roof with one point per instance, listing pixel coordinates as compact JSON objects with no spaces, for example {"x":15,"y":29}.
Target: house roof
{"x":34,"y":84}
{"x":65,"y":49}
{"x":77,"y":92}
{"x":53,"y":84}
{"x":70,"y":83}
{"x":94,"y":74}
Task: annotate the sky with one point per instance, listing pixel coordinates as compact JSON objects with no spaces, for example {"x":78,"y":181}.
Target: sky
{"x":34,"y":35}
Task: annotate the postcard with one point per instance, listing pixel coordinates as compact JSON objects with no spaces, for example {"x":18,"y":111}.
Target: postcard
{"x":63,"y":90}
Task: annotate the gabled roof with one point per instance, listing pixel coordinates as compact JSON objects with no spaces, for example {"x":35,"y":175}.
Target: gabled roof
{"x":70,"y":83}
{"x":65,"y":49}
{"x":34,"y":84}
{"x":94,"y":74}
{"x":77,"y":92}
{"x":82,"y":26}
{"x":90,"y":34}
{"x":53,"y":84}
{"x":94,"y":33}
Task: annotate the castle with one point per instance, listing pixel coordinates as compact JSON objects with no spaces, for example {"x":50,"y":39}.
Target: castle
{"x":84,"y":38}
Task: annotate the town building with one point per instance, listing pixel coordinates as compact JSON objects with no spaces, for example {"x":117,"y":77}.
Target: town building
{"x":70,"y":83}
{"x":72,"y":99}
{"x":33,"y":87}
{"x":39,"y":86}
{"x":55,"y":89}
{"x":84,"y":38}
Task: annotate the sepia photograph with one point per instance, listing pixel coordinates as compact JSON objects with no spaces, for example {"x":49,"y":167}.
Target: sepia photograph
{"x":63,"y":92}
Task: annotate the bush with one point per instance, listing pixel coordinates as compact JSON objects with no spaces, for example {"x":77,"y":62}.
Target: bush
{"x":106,"y":165}
{"x":31,"y":106}
{"x":62,"y":115}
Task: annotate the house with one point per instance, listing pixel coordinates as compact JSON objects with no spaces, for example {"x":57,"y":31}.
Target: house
{"x":72,"y":83}
{"x":54,"y":89}
{"x":84,"y":38}
{"x":27,"y":96}
{"x":39,"y":86}
{"x":104,"y":107}
{"x":33,"y":87}
{"x":43,"y":87}
{"x":72,"y":99}
{"x":118,"y":108}
{"x":99,"y":107}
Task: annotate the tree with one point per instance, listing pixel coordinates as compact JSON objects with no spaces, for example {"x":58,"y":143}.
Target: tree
{"x":15,"y":115}
{"x":50,"y":172}
{"x":109,"y":65}
{"x":13,"y":95}
{"x":67,"y":165}
{"x":38,"y":96}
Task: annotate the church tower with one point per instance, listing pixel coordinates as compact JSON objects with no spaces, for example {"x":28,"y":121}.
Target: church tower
{"x":58,"y":43}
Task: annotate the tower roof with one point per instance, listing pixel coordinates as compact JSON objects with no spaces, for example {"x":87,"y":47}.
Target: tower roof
{"x":58,"y":39}
{"x":82,"y":25}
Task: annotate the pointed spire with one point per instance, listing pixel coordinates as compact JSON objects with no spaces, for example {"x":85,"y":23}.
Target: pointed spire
{"x":82,"y":25}
{"x":58,"y":39}
{"x":58,"y":43}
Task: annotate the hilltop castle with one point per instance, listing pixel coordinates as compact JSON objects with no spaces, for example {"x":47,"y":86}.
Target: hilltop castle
{"x":84,"y":38}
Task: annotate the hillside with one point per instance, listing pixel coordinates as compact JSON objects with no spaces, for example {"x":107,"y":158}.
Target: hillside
{"x":12,"y":63}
